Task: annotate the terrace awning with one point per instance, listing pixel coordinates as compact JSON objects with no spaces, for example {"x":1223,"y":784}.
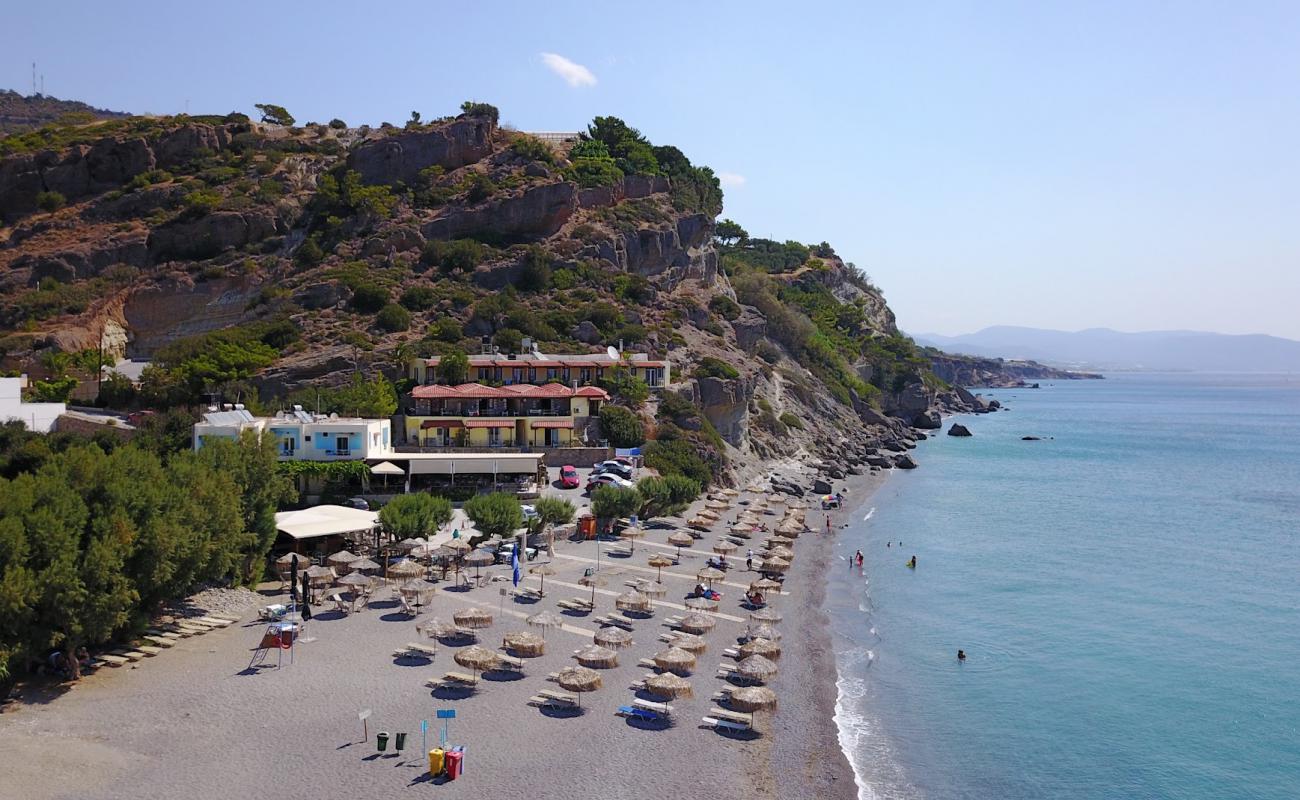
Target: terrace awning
{"x":311,"y":523}
{"x":474,"y":463}
{"x":489,"y":423}
{"x":440,"y":423}
{"x":551,"y":423}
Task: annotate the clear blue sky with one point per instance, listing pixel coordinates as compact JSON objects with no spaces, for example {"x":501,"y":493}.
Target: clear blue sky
{"x":1124,"y":164}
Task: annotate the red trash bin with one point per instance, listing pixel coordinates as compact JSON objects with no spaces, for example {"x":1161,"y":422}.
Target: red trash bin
{"x":453,"y":759}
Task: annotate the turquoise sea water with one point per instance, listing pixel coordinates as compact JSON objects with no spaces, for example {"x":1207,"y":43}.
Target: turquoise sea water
{"x":1127,"y":592}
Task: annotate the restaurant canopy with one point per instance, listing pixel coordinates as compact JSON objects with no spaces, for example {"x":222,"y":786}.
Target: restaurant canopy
{"x":473,"y":463}
{"x":318,"y":521}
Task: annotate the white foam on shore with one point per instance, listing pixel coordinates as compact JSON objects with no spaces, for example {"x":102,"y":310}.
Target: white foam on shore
{"x":870,"y":514}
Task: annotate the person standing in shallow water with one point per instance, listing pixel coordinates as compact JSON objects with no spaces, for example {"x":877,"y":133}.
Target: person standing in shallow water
{"x":961,"y":655}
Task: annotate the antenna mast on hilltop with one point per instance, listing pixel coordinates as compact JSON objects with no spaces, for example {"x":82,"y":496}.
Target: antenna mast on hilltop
{"x":33,"y":77}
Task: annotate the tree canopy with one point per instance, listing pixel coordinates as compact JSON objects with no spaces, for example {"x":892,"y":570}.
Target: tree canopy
{"x":495,"y":514}
{"x":276,"y":115}
{"x":414,"y":515}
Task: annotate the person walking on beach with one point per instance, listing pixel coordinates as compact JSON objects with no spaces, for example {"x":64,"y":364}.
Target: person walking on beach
{"x":749,"y":560}
{"x":828,"y":523}
{"x":859,"y":557}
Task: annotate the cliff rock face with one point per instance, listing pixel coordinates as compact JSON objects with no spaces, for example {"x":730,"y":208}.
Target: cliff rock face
{"x":399,"y":157}
{"x":536,"y":212}
{"x":975,"y":371}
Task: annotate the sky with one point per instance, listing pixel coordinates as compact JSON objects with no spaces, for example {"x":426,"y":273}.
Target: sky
{"x":1133,"y":165}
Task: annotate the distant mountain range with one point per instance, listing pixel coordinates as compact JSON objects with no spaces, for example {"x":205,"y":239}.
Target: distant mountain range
{"x":1102,"y":349}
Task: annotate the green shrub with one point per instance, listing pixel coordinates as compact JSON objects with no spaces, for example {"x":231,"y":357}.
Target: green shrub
{"x":724,"y":307}
{"x":338,"y":124}
{"x":535,"y":274}
{"x":613,"y":502}
{"x":447,"y":329}
{"x":792,"y":421}
{"x":622,"y":426}
{"x":510,"y":340}
{"x":670,"y":494}
{"x":678,"y":457}
{"x":419,"y":298}
{"x":481,"y":187}
{"x":200,"y":203}
{"x":472,"y":109}
{"x":592,"y":172}
{"x":393,"y":318}
{"x":369,"y":298}
{"x":457,"y":254}
{"x":626,"y":388}
{"x":50,"y":201}
{"x":533,"y":149}
{"x":710,"y":367}
{"x":409,"y":516}
{"x":496,"y":514}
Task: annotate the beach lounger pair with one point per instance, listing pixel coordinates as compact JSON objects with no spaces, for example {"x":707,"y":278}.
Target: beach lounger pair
{"x":511,"y":663}
{"x":615,"y":620}
{"x":414,"y":649}
{"x":632,"y":712}
{"x":459,"y":679}
{"x":661,"y":709}
{"x":727,"y":723}
{"x":576,"y":604}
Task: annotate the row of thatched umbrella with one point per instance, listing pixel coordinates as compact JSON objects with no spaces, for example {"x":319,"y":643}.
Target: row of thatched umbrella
{"x":524,"y":643}
{"x":593,"y":655}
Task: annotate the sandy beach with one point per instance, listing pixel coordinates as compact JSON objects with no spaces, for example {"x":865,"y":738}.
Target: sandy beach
{"x":195,"y":721}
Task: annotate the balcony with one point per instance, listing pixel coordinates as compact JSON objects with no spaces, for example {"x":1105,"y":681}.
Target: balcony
{"x":339,"y":453}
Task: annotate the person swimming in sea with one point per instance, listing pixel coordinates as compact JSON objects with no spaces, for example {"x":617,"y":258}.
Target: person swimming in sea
{"x":912,"y":563}
{"x":961,"y":655}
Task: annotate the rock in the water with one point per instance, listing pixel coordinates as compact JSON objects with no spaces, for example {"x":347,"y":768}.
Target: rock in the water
{"x":904,"y":461}
{"x":957,"y":429}
{"x":928,"y":420}
{"x":879,"y":461}
{"x":1030,"y":438}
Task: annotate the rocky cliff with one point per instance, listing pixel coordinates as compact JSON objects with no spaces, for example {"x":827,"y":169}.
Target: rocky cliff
{"x":970,"y":371}
{"x":311,"y":253}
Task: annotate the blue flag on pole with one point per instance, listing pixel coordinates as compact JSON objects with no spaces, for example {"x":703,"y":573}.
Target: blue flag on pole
{"x":514,"y":566}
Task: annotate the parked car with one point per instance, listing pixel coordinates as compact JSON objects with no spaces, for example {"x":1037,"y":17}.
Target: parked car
{"x":530,"y":513}
{"x":613,"y":467}
{"x":608,"y":479}
{"x":358,"y":503}
{"x":569,"y":477}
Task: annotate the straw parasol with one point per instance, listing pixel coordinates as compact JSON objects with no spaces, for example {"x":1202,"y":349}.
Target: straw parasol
{"x":632,"y":600}
{"x":440,"y":628}
{"x":342,"y":559}
{"x":417,"y":586}
{"x":700,"y":523}
{"x":775,"y":565}
{"x":286,"y":560}
{"x":355,"y":579}
{"x":756,"y":668}
{"x":668,"y":685}
{"x":593,"y":655}
{"x":696,"y":623}
{"x":729,"y":492}
{"x":473,"y":617}
{"x":710,"y":574}
{"x":524,"y":643}
{"x":765,"y":585}
{"x":702,"y":603}
{"x":613,"y":638}
{"x":319,"y":576}
{"x":679,"y":540}
{"x":406,"y":569}
{"x":423,"y":551}
{"x":762,"y":631}
{"x":766,"y":615}
{"x":782,"y":552}
{"x":710,"y":514}
{"x":631,"y":534}
{"x":593,"y":581}
{"x":651,"y":589}
{"x":544,"y":620}
{"x":690,"y":643}
{"x":578,"y":679}
{"x":776,"y":499}
{"x":406,"y":545}
{"x":659,"y":561}
{"x":477,"y":658}
{"x":674,"y":659}
{"x":743,"y":531}
{"x":760,"y":647}
{"x":724,"y":547}
{"x":719,"y":505}
{"x":541,"y":570}
{"x":458,"y":546}
{"x":479,"y":559}
{"x":752,"y":698}
{"x":363,"y":565}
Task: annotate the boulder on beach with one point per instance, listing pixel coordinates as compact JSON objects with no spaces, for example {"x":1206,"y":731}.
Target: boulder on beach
{"x":904,"y":461}
{"x":821,"y":486}
{"x":928,"y":420}
{"x":958,"y":429}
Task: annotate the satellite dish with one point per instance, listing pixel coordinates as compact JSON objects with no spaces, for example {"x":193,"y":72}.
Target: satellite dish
{"x":612,"y":352}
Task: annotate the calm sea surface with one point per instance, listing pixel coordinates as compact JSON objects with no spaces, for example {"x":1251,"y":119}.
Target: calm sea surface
{"x":1127,"y":591}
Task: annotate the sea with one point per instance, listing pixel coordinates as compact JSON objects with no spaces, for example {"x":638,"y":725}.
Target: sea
{"x":1126,"y":590}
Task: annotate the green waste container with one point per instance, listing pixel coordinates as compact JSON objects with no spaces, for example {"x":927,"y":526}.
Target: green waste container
{"x":381,"y":739}
{"x":400,"y":744}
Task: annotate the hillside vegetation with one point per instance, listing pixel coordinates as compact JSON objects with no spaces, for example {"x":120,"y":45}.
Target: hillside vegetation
{"x":262,"y":260}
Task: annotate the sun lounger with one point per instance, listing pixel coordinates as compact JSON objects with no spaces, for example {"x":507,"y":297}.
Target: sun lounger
{"x":172,"y":630}
{"x":218,"y":621}
{"x":569,"y":605}
{"x":545,"y":700}
{"x":414,"y":648}
{"x":453,"y":678}
{"x":232,"y":618}
{"x":663,"y":709}
{"x":129,"y":655}
{"x":616,"y":621}
{"x":113,"y":661}
{"x":727,"y":724}
{"x":672,"y":621}
{"x":561,"y":697}
{"x":734,"y":716}
{"x":148,"y":650}
{"x":161,"y":641}
{"x":515,"y":664}
{"x":731,"y":652}
{"x":633,"y":712}
{"x":725,"y":670}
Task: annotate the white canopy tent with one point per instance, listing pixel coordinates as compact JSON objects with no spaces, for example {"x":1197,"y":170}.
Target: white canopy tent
{"x":318,"y":521}
{"x":475,"y":463}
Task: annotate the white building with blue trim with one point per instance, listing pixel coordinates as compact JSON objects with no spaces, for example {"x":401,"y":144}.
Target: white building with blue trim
{"x":303,"y":436}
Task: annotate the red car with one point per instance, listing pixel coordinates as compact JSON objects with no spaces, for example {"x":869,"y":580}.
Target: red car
{"x":569,"y":477}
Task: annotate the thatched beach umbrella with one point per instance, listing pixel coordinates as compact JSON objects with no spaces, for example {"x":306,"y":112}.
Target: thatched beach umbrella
{"x":710,"y":574}
{"x":473,"y":617}
{"x":700,"y":523}
{"x":774,"y":565}
{"x":593,"y":655}
{"x":710,"y":514}
{"x":776,"y":499}
{"x":632,"y":601}
{"x":593,"y":581}
{"x":579,"y":680}
{"x":524,"y":643}
{"x":319,"y":576}
{"x":718,"y":505}
{"x":724,"y":547}
{"x":286,"y":560}
{"x":752,"y":698}
{"x":674,"y":659}
{"x":679,"y":540}
{"x":765,"y":585}
{"x":659,"y":561}
{"x":669,"y":686}
{"x":477,"y":658}
{"x":765,"y":615}
{"x":363,"y":565}
{"x":405,"y":569}
{"x":544,"y":620}
{"x":743,"y":531}
{"x":697,"y":623}
{"x":631,"y":534}
{"x":458,"y":546}
{"x":781,"y":552}
{"x":729,"y":492}
{"x":613,"y":638}
{"x":690,"y":643}
{"x":356,"y":580}
{"x":406,"y":545}
{"x":342,"y":559}
{"x":440,"y":628}
{"x":756,"y":668}
{"x":702,"y":603}
{"x":760,"y":647}
{"x":762,"y":631}
{"x":541,"y":570}
{"x":651,"y":589}
{"x":479,"y":559}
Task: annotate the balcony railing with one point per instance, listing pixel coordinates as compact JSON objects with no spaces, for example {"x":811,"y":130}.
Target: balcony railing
{"x":339,"y":453}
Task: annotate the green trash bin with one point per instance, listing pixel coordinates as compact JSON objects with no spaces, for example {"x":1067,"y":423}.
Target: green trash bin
{"x":400,"y":744}
{"x":381,"y":739}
